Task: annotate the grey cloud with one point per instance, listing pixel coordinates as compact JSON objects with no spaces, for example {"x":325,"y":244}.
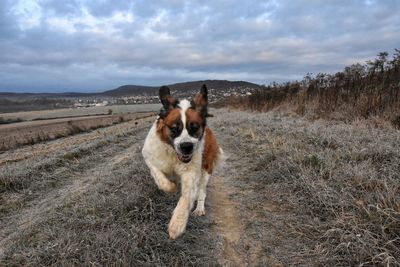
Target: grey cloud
{"x":173,"y":40}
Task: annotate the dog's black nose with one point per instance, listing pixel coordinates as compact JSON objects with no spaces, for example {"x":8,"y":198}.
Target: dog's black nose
{"x":186,"y":148}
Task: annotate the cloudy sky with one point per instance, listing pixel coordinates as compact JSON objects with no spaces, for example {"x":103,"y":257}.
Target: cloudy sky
{"x":95,"y":45}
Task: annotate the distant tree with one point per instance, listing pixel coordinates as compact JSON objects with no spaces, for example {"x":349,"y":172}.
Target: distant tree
{"x":395,"y":62}
{"x":382,"y":60}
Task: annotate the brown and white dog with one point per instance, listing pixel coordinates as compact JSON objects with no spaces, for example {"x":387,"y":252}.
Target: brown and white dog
{"x":180,"y":145}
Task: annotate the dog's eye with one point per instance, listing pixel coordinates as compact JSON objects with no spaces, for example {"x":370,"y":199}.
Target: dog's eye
{"x":175,"y":130}
{"x":194,"y":127}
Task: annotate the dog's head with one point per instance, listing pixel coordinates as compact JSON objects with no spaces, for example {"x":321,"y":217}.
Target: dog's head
{"x":181,"y":123}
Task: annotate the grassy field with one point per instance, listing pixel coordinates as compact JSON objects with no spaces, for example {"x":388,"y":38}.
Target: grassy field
{"x":292,"y":192}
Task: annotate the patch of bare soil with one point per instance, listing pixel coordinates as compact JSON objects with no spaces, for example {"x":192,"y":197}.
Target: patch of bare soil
{"x":238,"y":246}
{"x":223,"y":212}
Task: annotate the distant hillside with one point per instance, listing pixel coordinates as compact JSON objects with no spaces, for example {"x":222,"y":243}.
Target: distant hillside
{"x":127,"y":90}
{"x":130,"y":90}
{"x":183,"y":87}
{"x":215,"y":84}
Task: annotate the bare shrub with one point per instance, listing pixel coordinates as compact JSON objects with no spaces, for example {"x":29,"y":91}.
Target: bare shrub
{"x":359,"y":91}
{"x":396,"y":122}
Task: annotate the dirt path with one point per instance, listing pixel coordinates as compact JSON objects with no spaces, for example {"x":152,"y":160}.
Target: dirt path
{"x":227,"y":223}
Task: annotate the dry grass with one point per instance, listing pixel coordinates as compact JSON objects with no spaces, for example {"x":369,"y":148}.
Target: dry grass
{"x":359,"y":91}
{"x":94,"y":204}
{"x":309,"y":193}
{"x":330,"y":189}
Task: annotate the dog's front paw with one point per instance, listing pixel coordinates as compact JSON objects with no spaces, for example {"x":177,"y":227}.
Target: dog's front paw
{"x":199,"y":212}
{"x":176,"y":228}
{"x":169,"y":187}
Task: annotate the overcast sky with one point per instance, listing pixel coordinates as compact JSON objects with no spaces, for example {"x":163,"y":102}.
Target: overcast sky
{"x":89,"y":45}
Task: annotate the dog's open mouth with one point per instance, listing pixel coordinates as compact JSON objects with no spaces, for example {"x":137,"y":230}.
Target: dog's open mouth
{"x":184,"y":158}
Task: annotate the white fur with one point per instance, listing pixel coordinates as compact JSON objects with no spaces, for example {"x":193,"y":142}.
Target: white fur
{"x":184,"y":104}
{"x":184,"y":136}
{"x":163,"y":163}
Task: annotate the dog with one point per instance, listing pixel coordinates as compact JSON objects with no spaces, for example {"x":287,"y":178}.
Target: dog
{"x":179,"y":144}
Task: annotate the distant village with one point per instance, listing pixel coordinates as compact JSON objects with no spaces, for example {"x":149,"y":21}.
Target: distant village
{"x":213,"y":96}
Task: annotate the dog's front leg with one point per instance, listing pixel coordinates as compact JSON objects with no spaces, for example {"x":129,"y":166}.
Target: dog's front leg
{"x":162,"y":182}
{"x":179,"y":219}
{"x":200,"y":211}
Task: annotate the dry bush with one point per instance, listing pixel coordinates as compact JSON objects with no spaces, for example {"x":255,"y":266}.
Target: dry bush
{"x":359,"y":91}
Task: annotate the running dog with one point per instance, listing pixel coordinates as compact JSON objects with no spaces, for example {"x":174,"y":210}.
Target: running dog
{"x":179,"y":144}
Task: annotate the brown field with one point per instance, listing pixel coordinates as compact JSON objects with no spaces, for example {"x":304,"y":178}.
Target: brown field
{"x":78,"y":112}
{"x":31,"y":132}
{"x":292,"y":192}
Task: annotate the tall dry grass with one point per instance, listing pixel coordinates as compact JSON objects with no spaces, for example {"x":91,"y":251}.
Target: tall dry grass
{"x":359,"y":91}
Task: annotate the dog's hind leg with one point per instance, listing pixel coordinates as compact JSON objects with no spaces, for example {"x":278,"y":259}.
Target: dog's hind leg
{"x":162,"y":182}
{"x":200,"y":211}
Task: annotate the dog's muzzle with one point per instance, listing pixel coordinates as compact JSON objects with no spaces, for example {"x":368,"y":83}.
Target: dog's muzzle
{"x":185,"y":152}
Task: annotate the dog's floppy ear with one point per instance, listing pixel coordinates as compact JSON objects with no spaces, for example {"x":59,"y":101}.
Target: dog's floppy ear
{"x":200,"y":101}
{"x":167,"y":100}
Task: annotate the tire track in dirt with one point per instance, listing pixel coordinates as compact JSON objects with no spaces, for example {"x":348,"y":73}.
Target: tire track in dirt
{"x":227,"y":223}
{"x":240,"y":246}
{"x":77,"y":184}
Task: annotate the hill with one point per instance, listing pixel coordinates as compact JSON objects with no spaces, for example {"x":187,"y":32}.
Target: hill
{"x":184,"y":87}
{"x":131,"y":90}
{"x":127,"y":90}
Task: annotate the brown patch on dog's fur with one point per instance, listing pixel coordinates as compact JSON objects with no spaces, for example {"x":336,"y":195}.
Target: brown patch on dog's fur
{"x":193,"y":116}
{"x":211,"y":151}
{"x":163,"y":124}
